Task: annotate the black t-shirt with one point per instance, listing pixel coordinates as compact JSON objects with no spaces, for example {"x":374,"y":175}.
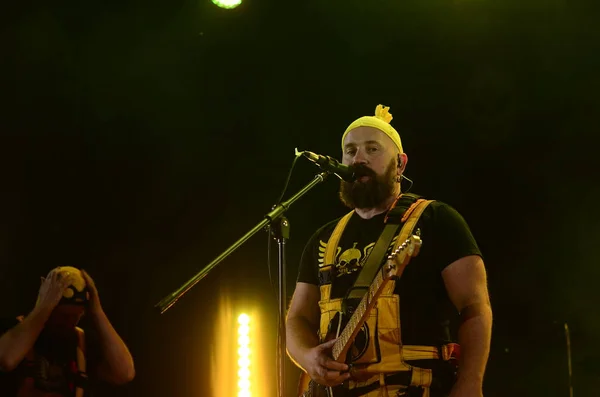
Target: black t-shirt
{"x":426,"y":311}
{"x":54,"y":368}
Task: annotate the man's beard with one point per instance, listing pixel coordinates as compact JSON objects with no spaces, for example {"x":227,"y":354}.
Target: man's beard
{"x":371,"y":193}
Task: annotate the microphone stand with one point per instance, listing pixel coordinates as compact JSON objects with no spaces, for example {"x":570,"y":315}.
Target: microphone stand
{"x":569,"y":366}
{"x":279,"y":227}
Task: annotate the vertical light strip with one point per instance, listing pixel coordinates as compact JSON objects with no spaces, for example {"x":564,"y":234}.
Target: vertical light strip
{"x":244,"y":356}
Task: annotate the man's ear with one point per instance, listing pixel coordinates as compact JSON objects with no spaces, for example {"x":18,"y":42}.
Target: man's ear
{"x":402,"y":160}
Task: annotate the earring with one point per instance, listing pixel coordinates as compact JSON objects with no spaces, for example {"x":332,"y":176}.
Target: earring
{"x":399,"y":178}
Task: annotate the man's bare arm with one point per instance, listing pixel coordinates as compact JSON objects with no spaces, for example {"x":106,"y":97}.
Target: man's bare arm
{"x":116,"y":365}
{"x":466,"y":283}
{"x":16,"y":342}
{"x":302,"y":322}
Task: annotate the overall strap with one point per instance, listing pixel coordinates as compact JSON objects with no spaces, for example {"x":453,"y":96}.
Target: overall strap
{"x":410,"y":218}
{"x":335,"y":237}
{"x":81,"y":364}
{"x":331,"y":250}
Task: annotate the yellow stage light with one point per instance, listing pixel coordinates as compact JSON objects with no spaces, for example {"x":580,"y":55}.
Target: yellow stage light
{"x":229,"y":4}
{"x":244,"y":353}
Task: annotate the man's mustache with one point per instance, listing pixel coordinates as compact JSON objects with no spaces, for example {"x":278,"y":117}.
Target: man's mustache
{"x":363,"y":170}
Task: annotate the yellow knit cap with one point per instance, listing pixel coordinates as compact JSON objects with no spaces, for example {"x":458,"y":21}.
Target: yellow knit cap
{"x":76,"y":292}
{"x":381,"y":121}
{"x":78,"y":281}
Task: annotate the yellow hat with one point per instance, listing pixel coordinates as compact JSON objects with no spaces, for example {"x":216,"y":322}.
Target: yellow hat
{"x":381,"y":121}
{"x":76,"y":293}
{"x":78,"y":284}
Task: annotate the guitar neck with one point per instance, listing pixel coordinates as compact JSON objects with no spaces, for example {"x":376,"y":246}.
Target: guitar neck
{"x":359,"y":316}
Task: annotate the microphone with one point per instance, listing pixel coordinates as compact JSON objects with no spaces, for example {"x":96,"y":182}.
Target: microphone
{"x":328,"y":163}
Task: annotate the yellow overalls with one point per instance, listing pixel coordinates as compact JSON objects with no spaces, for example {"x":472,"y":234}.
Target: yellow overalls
{"x":384,"y":319}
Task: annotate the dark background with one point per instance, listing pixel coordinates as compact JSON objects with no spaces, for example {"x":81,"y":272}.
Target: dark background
{"x":141,"y":139}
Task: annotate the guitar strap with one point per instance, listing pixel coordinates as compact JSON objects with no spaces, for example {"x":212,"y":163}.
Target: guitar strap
{"x":402,"y":208}
{"x":373,"y":262}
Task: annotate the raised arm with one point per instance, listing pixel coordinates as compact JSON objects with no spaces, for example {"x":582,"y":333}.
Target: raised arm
{"x":116,"y":363}
{"x":16,"y":342}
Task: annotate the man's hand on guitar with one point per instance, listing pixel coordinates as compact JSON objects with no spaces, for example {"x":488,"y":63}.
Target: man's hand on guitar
{"x":322,"y":368}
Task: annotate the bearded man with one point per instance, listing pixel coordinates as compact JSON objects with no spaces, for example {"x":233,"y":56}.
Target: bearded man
{"x":427,"y":332}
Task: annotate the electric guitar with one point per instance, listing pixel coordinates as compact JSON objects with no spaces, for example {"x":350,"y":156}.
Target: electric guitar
{"x":393,"y":267}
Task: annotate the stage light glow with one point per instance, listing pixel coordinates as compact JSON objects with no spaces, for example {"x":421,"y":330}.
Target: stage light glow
{"x":238,"y":369}
{"x":243,"y":319}
{"x":244,"y":353}
{"x":228,"y":4}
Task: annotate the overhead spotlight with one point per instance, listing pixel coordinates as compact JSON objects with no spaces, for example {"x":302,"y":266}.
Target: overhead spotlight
{"x":229,"y":4}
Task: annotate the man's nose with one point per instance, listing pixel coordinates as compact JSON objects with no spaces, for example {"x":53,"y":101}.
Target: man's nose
{"x":359,"y":158}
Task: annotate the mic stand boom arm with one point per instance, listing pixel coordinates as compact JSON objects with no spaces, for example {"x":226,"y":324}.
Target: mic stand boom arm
{"x":169,"y":300}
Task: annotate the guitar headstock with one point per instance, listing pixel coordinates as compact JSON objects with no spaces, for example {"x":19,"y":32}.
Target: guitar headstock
{"x":403,"y":254}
